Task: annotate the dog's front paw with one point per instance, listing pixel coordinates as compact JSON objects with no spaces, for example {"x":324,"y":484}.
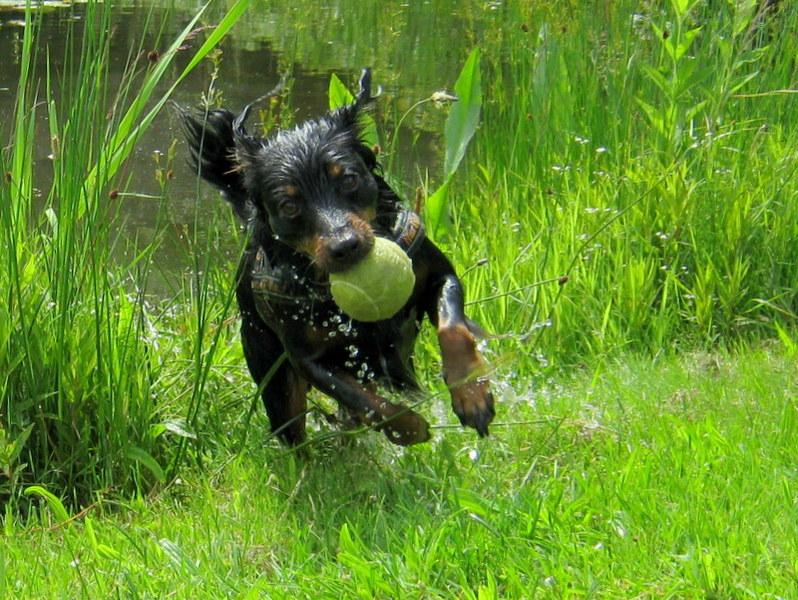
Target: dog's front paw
{"x":406,"y":428}
{"x":472,"y":402}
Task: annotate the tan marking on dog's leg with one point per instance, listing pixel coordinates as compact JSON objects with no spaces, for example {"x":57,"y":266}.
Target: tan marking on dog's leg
{"x":464,"y":373}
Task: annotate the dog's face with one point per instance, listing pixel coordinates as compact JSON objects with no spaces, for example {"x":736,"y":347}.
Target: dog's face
{"x":314,"y":185}
{"x":313,"y":188}
{"x":317,"y":190}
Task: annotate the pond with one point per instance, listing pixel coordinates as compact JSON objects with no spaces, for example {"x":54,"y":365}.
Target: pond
{"x":414,"y":48}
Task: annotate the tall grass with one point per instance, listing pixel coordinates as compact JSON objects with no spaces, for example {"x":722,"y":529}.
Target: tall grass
{"x":646,"y":154}
{"x":84,"y":358}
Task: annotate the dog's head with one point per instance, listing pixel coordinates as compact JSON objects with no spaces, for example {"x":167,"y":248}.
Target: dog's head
{"x":314,"y":187}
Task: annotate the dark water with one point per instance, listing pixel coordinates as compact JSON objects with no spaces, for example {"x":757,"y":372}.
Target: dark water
{"x":414,"y":48}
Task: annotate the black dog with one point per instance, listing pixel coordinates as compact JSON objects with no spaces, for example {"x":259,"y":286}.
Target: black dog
{"x":313,"y":200}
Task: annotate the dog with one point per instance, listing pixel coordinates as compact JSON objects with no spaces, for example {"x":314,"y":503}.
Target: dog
{"x":313,"y":199}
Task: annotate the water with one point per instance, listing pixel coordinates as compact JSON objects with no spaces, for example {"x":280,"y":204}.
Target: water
{"x":414,"y":49}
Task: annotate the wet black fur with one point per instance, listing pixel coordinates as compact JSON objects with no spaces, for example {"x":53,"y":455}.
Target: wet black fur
{"x":305,"y":195}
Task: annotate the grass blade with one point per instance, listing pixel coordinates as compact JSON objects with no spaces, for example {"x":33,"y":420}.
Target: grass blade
{"x":461,"y":125}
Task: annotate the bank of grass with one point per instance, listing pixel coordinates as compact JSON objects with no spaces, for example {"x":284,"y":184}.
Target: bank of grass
{"x":672,"y":478}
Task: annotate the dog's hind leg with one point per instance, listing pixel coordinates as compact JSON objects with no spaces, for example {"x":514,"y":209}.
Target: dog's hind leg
{"x":283,"y":390}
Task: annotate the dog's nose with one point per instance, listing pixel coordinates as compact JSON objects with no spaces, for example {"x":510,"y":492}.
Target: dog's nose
{"x":345,"y":247}
{"x":343,"y":250}
{"x":344,"y":239}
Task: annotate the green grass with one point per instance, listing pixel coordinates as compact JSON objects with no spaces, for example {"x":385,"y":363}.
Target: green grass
{"x":90,"y":384}
{"x":666,"y":479}
{"x":643,"y":165}
{"x":646,"y":436}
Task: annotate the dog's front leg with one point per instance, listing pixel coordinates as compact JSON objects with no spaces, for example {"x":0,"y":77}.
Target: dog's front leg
{"x":463,"y":367}
{"x":400,"y":424}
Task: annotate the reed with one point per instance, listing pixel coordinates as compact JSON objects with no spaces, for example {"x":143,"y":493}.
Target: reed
{"x":85,"y":359}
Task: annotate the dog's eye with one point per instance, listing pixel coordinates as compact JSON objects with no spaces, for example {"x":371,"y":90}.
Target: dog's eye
{"x":349,"y":182}
{"x":289,"y":209}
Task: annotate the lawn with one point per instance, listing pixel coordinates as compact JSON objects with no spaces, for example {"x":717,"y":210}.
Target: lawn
{"x":669,"y":478}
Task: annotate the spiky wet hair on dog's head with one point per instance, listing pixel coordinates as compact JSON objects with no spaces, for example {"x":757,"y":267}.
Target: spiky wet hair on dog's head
{"x":235,"y":161}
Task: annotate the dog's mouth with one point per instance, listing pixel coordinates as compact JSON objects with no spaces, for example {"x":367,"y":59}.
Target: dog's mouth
{"x":343,"y":250}
{"x":340,"y":246}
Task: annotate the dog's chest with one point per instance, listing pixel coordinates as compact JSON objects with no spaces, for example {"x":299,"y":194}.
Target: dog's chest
{"x":294,"y":300}
{"x":300,"y":309}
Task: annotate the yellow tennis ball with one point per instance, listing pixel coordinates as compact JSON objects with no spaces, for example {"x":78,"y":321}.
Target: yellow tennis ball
{"x":376,"y":287}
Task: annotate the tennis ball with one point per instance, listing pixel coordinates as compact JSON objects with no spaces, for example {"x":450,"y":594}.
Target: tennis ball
{"x":376,"y":287}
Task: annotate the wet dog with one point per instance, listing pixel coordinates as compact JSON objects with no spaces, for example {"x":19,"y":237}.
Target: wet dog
{"x":313,"y":200}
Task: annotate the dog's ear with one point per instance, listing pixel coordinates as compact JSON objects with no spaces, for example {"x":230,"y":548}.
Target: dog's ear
{"x":348,"y":117}
{"x":349,"y":122}
{"x":217,"y":141}
{"x":210,"y":141}
{"x":364,"y":96}
{"x":246,"y":145}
